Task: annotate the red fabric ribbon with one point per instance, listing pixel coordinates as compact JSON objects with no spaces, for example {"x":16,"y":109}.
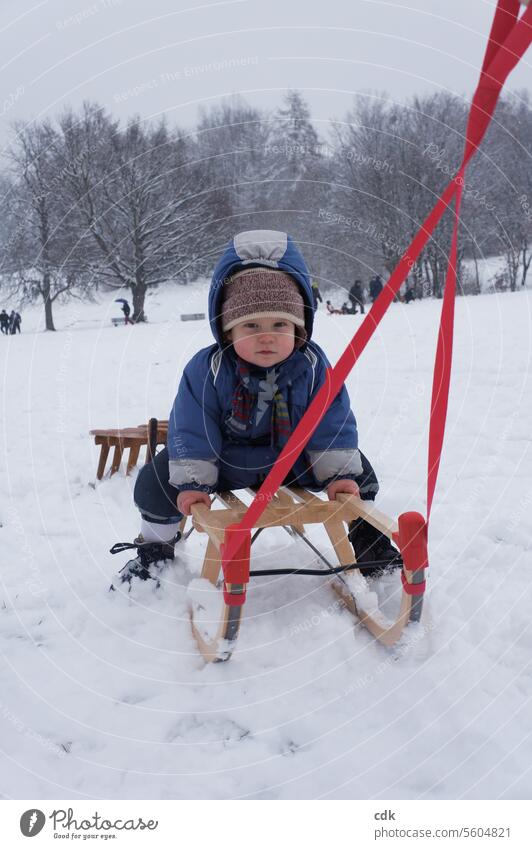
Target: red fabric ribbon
{"x":507,"y":44}
{"x":508,"y":41}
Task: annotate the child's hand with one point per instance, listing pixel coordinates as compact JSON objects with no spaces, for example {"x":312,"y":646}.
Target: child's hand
{"x":188,"y":497}
{"x":347,"y":486}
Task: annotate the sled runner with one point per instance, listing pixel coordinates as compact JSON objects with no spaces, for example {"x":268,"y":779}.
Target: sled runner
{"x":293,"y":509}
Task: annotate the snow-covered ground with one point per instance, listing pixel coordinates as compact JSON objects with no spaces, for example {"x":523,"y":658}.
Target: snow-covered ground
{"x":105,"y":696}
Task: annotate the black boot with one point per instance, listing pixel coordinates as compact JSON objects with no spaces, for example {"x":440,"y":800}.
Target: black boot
{"x":144,"y":565}
{"x":373,"y":549}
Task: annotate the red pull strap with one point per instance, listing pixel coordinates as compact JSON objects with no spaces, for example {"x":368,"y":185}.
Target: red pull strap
{"x":509,"y":40}
{"x":235,"y":567}
{"x":507,"y":43}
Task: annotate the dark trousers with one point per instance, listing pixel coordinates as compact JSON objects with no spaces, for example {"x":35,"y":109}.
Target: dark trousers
{"x":156,"y":498}
{"x":356,"y":303}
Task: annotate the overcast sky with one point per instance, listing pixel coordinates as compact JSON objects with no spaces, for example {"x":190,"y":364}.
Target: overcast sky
{"x":168,"y":56}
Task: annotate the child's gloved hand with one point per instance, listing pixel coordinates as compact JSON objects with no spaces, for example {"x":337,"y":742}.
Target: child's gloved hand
{"x":188,"y":497}
{"x":347,"y":486}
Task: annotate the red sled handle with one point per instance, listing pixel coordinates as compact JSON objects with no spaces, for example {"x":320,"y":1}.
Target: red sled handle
{"x":235,"y":552}
{"x":412,"y":541}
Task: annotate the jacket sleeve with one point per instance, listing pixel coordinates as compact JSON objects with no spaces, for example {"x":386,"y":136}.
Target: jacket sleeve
{"x":194,"y":436}
{"x":333,"y":447}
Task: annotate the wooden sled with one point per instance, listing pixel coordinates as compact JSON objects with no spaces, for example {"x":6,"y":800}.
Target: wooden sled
{"x":294,"y":508}
{"x":133,"y":438}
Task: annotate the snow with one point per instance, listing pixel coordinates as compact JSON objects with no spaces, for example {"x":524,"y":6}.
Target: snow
{"x":104,"y":695}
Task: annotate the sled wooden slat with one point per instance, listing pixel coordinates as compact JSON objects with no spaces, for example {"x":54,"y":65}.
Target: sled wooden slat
{"x":212,"y":563}
{"x":102,"y":460}
{"x":285,"y":499}
{"x":338,"y":536}
{"x":134,"y":452}
{"x":229,"y":499}
{"x":274,"y":515}
{"x":302,"y":496}
{"x":366,"y":510}
{"x":295,"y":507}
{"x":204,"y":522}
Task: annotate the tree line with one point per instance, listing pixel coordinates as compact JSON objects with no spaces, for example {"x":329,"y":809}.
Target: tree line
{"x":88,"y":203}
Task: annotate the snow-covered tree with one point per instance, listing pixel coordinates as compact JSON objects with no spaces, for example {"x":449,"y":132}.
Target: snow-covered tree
{"x":140,"y":195}
{"x":41,"y":255}
{"x":391,"y":162}
{"x":508,"y":156}
{"x":232,"y":139}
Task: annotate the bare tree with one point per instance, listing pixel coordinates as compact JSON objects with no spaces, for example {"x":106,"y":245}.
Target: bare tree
{"x":265,"y":170}
{"x":393,"y":160}
{"x":88,"y":201}
{"x":509,"y":151}
{"x":39,"y":251}
{"x":140,"y":194}
{"x":233,"y":139}
{"x":300,"y":187}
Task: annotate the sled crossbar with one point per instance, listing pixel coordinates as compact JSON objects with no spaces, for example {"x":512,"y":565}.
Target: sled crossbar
{"x":294,"y":508}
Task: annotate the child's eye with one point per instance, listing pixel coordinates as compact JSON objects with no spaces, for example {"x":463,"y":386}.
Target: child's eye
{"x":281,"y":324}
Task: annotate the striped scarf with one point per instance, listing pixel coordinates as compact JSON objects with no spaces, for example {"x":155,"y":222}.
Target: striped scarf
{"x":244,"y":401}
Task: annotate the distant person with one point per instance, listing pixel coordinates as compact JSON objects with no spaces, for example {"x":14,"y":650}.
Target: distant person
{"x":375,"y":288}
{"x":332,"y":310}
{"x":409,"y":295}
{"x":316,"y":294}
{"x":126,"y":309}
{"x":4,"y":322}
{"x":15,"y":323}
{"x":356,"y":296}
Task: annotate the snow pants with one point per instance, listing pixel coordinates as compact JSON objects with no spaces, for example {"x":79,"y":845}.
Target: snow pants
{"x":156,"y":498}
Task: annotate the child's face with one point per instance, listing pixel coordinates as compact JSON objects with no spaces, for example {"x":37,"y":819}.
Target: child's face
{"x":263,"y":341}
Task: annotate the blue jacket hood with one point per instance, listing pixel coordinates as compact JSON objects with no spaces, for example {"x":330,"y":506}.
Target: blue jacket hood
{"x":269,"y":248}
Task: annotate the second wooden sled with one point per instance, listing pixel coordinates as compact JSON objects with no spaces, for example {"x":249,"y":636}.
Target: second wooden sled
{"x":294,"y":508}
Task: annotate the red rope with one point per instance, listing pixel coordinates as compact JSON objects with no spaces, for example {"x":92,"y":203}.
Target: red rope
{"x":507,"y":43}
{"x":509,"y":39}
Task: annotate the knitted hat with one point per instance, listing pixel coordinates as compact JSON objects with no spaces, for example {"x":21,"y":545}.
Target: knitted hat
{"x":261,"y":293}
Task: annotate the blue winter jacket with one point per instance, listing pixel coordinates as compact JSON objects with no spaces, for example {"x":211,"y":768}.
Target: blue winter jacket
{"x":204,"y":452}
